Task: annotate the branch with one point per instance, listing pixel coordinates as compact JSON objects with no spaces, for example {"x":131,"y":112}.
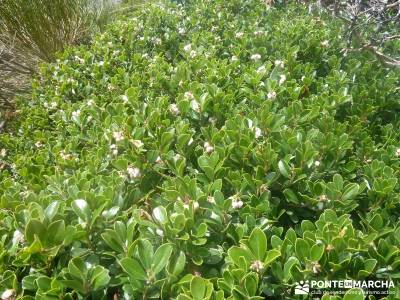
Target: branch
{"x":385,"y":59}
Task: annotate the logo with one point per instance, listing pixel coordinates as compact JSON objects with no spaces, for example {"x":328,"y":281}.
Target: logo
{"x":302,"y":288}
{"x":338,"y":287}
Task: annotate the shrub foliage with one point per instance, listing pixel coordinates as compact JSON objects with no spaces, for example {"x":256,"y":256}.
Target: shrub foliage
{"x":216,"y":150}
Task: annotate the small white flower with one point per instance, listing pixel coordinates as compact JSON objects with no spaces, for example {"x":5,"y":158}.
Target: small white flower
{"x":195,"y":105}
{"x":193,"y":54}
{"x":160,"y":232}
{"x":237,"y":204}
{"x":109,"y":44}
{"x":322,"y":198}
{"x":114,"y":149}
{"x":211,"y":199}
{"x":258,"y":132}
{"x":118,"y":136}
{"x":187,"y":47}
{"x":159,"y":160}
{"x":279,"y":63}
{"x":124,"y":98}
{"x":181,"y":30}
{"x":65,"y":155}
{"x":190,"y":141}
{"x":3,"y":152}
{"x":176,"y":157}
{"x":398,"y":152}
{"x":212,"y":120}
{"x":188,"y":95}
{"x":8,"y":295}
{"x":88,"y":265}
{"x":239,"y":35}
{"x":271,"y":95}
{"x":53,"y":105}
{"x":325,"y":43}
{"x":317,"y":163}
{"x":137,"y":143}
{"x":90,"y":102}
{"x":208,"y":147}
{"x":282,"y":79}
{"x":174,"y":109}
{"x":133,"y":172}
{"x":76,"y":114}
{"x":196,"y":205}
{"x":258,"y":33}
{"x":79,"y":60}
{"x":156,"y":41}
{"x":257,"y":266}
{"x":38,"y":144}
{"x":316,"y":268}
{"x":101,"y":63}
{"x":261,"y":70}
{"x":234,"y":58}
{"x":18,"y":237}
{"x":255,"y":57}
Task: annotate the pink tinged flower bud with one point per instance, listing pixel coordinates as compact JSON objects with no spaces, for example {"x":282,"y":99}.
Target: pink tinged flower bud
{"x":239,"y":35}
{"x":118,"y":136}
{"x":137,"y":143}
{"x":271,"y":95}
{"x":18,"y":237}
{"x":174,"y":109}
{"x":255,"y":57}
{"x":257,"y":266}
{"x":237,"y":204}
{"x":208,"y":147}
{"x":261,"y":70}
{"x":188,"y":95}
{"x":279,"y":63}
{"x":282,"y":79}
{"x":133,"y":172}
{"x":8,"y":295}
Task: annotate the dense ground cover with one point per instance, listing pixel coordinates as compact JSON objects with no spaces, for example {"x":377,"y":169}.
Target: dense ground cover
{"x":220,"y":150}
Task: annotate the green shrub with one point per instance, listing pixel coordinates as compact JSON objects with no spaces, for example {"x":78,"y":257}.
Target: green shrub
{"x":216,"y":150}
